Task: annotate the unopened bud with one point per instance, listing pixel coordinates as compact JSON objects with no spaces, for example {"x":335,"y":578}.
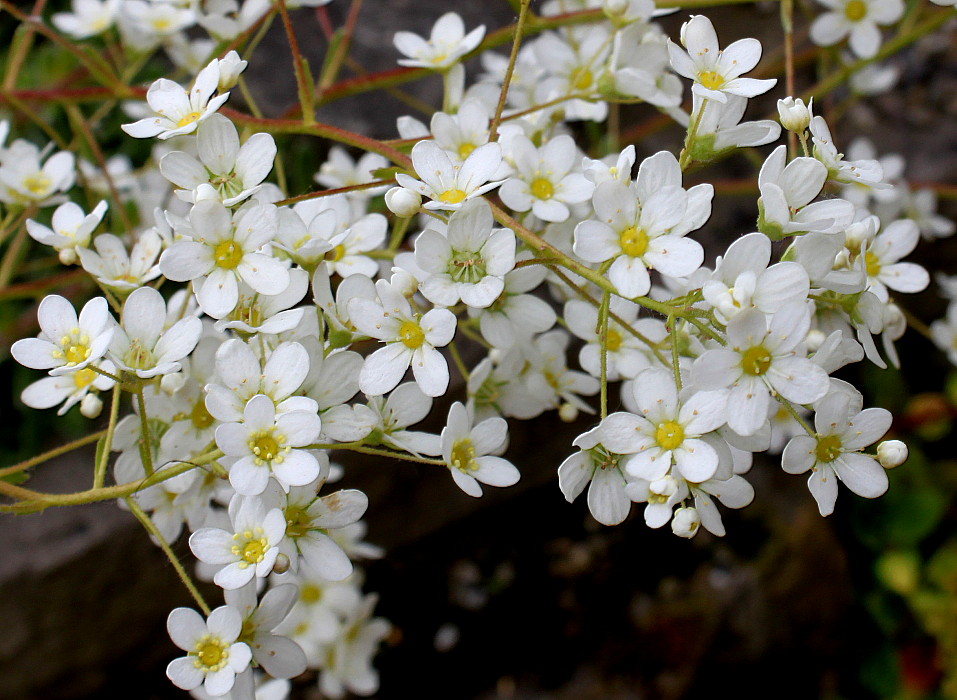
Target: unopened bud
{"x":795,"y":115}
{"x":281,"y":565}
{"x":403,"y":282}
{"x":68,"y":256}
{"x":685,"y":522}
{"x":230,"y":66}
{"x":567,"y":412}
{"x":171,"y":383}
{"x":891,"y":453}
{"x":402,"y":202}
{"x":91,"y":405}
{"x":815,"y":338}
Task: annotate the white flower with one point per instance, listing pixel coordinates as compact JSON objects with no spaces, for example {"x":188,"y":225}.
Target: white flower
{"x":637,"y":236}
{"x":341,"y":171}
{"x":685,"y":522}
{"x":466,"y":449}
{"x":668,"y":430}
{"x":234,"y":172}
{"x":787,"y":190}
{"x":450,"y":184}
{"x":68,"y":389}
{"x":224,"y":250}
{"x":795,"y":115}
{"x":88,"y":18}
{"x":140,"y":344}
{"x":716,"y":73}
{"x":71,"y":229}
{"x":214,"y":657}
{"x":859,"y":18}
{"x":469,"y":262}
{"x":761,"y":358}
{"x":881,"y":260}
{"x":176,"y":110}
{"x":866,"y":172}
{"x":66,"y":343}
{"x":600,"y":469}
{"x":544,"y":181}
{"x":410,"y":339}
{"x":842,"y":431}
{"x":278,"y":655}
{"x":23,"y":180}
{"x":549,"y":381}
{"x":349,"y":658}
{"x":259,"y":313}
{"x":446,"y":44}
{"x":266,"y":445}
{"x":246,"y":551}
{"x":626,"y":355}
{"x":515,"y":315}
{"x":118,"y":270}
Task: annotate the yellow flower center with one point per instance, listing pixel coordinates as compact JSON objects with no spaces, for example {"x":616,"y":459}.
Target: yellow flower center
{"x":872,"y":264}
{"x":463,"y":455}
{"x":855,"y":10}
{"x":633,"y":242}
{"x":188,"y":119}
{"x":161,"y":24}
{"x":199,"y":416}
{"x":211,"y":653}
{"x":298,"y":522}
{"x":542,"y":188}
{"x":581,"y":78}
{"x":310,"y":593}
{"x":250,"y":547}
{"x":465,"y":150}
{"x":755,"y":360}
{"x":228,"y":255}
{"x":74,"y":348}
{"x":336,"y":254}
{"x":712,"y":80}
{"x":138,"y":356}
{"x":411,"y":335}
{"x":828,"y":448}
{"x":452,"y":196}
{"x":267,"y":446}
{"x":39,"y":184}
{"x":613,"y":340}
{"x":84,"y":378}
{"x":669,"y":435}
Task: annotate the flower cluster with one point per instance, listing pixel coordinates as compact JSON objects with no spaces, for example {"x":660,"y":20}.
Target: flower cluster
{"x":303,"y":329}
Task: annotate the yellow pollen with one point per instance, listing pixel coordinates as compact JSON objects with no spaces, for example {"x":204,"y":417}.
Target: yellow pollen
{"x":855,"y":10}
{"x":228,"y":255}
{"x":755,"y":360}
{"x":265,"y":447}
{"x":411,"y":335}
{"x":828,"y":448}
{"x":161,"y":24}
{"x":542,"y":188}
{"x":452,"y":196}
{"x":189,"y":119}
{"x":199,"y":416}
{"x":713,"y":80}
{"x":336,"y":254}
{"x":211,"y":653}
{"x":613,"y":340}
{"x":465,"y":150}
{"x":581,"y":78}
{"x":83,"y":378}
{"x":872,"y":264}
{"x":669,"y":435}
{"x":310,"y":593}
{"x":38,"y":184}
{"x":75,"y":354}
{"x":254,"y":551}
{"x":463,"y":455}
{"x":633,"y":242}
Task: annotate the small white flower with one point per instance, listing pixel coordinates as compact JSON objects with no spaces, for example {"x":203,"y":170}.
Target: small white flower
{"x":278,"y":655}
{"x":341,"y":171}
{"x":68,"y":389}
{"x":23,"y":180}
{"x":67,"y":343}
{"x":140,"y":344}
{"x":248,"y":550}
{"x":446,"y":44}
{"x":859,"y":18}
{"x":176,"y":110}
{"x":450,"y":184}
{"x":119,"y":270}
{"x":466,"y":449}
{"x":599,"y":469}
{"x":267,"y":445}
{"x":214,"y":657}
{"x":88,"y":18}
{"x":410,"y":339}
{"x":71,"y":229}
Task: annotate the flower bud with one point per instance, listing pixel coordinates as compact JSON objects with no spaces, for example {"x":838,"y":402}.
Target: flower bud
{"x":795,"y":116}
{"x":91,"y":405}
{"x":68,"y":256}
{"x":403,"y":282}
{"x":685,"y":522}
{"x":567,"y":412}
{"x":171,"y":383}
{"x":281,"y":565}
{"x":891,"y":453}
{"x":402,"y":202}
{"x":815,"y":338}
{"x":230,"y":67}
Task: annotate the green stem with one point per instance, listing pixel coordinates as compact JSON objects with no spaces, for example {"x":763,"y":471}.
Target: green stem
{"x":99,"y":474}
{"x":603,"y":344}
{"x":151,"y":528}
{"x":51,"y":454}
{"x":144,"y":442}
{"x":503,"y":94}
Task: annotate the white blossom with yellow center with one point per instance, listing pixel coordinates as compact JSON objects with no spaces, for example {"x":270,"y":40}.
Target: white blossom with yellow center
{"x":448,"y":184}
{"x":249,"y":549}
{"x":213,"y":654}
{"x":466,"y":449}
